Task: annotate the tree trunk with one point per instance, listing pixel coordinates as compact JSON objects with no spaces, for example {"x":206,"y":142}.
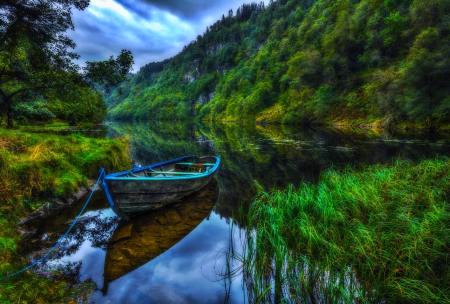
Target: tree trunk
{"x":9,"y":115}
{"x":8,"y":102}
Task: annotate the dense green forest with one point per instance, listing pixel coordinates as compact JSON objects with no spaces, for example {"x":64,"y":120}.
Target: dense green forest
{"x":38,"y":78}
{"x":382,"y":62}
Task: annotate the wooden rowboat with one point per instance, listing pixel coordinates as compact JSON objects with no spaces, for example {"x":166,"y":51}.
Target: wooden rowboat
{"x":154,"y":186}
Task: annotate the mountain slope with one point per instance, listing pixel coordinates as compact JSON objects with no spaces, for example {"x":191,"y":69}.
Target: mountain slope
{"x":302,"y":61}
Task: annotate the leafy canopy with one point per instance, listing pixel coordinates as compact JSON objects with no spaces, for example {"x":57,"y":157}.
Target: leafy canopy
{"x":36,"y":57}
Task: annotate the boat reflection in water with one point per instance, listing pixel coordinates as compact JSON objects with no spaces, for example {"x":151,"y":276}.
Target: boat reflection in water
{"x":140,"y":240}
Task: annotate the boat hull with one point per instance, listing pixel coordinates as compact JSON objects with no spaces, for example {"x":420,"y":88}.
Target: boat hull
{"x":139,"y":196}
{"x":155,"y":186}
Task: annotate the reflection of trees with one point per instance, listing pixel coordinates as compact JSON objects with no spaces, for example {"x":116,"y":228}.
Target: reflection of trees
{"x":44,"y":232}
{"x":150,"y":235}
{"x":97,"y":131}
{"x":249,"y":156}
{"x":153,"y":142}
{"x":93,"y":228}
{"x":274,"y":156}
{"x":96,"y":230}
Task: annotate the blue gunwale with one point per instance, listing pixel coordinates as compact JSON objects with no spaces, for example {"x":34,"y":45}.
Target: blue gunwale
{"x":116,"y":176}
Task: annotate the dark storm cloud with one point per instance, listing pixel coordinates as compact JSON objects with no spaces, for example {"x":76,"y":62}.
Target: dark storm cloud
{"x":190,"y":9}
{"x":152,"y":30}
{"x":140,"y":8}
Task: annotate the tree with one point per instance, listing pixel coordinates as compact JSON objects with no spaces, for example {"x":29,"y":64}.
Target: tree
{"x":425,"y":76}
{"x":35,"y":54}
{"x":395,"y":25}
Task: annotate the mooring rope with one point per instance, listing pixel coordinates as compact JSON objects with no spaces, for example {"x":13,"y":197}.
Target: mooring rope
{"x":65,"y":234}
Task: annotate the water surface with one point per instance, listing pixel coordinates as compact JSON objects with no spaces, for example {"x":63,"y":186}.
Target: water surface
{"x":177,"y":255}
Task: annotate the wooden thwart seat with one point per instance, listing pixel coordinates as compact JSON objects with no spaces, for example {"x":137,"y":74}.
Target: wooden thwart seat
{"x":195,"y":166}
{"x":190,"y":164}
{"x":171,"y":172}
{"x":184,"y":163}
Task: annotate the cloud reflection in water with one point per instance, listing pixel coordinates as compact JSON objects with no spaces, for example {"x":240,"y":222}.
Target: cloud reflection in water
{"x":181,"y":274}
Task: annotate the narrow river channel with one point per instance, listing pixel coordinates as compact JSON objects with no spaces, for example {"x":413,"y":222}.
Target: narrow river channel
{"x":179,"y":254}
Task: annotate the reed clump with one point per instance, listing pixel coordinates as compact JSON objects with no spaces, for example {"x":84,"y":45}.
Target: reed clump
{"x":34,"y":169}
{"x":381,"y":234}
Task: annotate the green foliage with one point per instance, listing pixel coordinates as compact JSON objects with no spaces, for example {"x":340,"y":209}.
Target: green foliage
{"x":322,"y":102}
{"x":111,"y":72}
{"x":31,"y":163}
{"x":36,"y":64}
{"x":304,"y":69}
{"x":395,"y":25}
{"x":380,"y":234}
{"x":380,"y":59}
{"x":33,"y":111}
{"x":426,"y":92}
{"x":31,"y":166}
{"x":82,"y":104}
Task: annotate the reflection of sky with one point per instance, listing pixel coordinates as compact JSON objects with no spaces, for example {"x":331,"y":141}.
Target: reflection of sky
{"x":186,"y":273}
{"x":93,"y":258}
{"x":93,"y":263}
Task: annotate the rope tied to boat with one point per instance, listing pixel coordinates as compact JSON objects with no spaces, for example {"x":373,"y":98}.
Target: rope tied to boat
{"x":100,"y":177}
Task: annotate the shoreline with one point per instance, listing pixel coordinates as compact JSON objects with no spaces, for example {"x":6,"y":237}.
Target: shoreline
{"x":339,"y":124}
{"x":41,"y":173}
{"x":57,"y":204}
{"x":64,"y":201}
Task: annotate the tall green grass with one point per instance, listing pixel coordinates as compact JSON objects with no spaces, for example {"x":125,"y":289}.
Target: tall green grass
{"x":381,"y":234}
{"x":34,"y":169}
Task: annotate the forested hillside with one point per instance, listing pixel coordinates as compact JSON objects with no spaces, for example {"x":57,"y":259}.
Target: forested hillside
{"x":302,"y":61}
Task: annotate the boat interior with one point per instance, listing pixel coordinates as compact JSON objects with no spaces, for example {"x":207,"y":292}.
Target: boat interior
{"x":173,"y":169}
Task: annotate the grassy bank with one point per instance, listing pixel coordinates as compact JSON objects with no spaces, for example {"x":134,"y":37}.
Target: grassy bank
{"x":381,"y":234}
{"x":34,"y":169}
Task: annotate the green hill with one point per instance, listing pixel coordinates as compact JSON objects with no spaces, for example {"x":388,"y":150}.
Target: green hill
{"x":381,"y":62}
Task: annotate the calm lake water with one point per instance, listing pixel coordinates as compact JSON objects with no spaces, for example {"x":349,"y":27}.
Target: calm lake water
{"x":178,"y":254}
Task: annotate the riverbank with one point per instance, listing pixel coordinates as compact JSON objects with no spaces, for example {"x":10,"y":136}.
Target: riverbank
{"x":275,"y":114}
{"x":380,"y":234}
{"x":40,"y":168}
{"x":386,"y":124}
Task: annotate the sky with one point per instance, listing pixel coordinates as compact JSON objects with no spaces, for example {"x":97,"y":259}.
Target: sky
{"x":152,"y":30}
